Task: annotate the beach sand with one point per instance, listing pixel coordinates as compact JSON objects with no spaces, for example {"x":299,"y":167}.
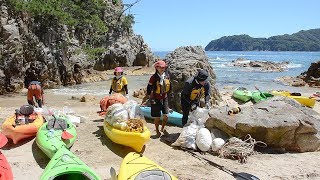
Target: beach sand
{"x":99,"y":153}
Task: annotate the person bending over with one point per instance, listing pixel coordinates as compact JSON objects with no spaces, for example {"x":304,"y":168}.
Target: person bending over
{"x":195,"y":88}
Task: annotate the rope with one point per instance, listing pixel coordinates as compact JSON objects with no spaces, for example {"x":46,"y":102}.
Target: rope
{"x":237,"y":149}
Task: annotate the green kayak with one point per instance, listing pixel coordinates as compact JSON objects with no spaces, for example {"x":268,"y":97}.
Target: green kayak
{"x":65,"y":165}
{"x":51,"y":135}
{"x":242,"y":94}
{"x":258,"y":96}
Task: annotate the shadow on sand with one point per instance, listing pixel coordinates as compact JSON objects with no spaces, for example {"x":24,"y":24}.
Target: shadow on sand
{"x":10,"y":144}
{"x":41,"y":158}
{"x":117,"y":149}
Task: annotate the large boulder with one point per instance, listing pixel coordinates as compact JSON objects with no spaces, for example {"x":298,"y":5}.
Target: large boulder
{"x":184,"y":63}
{"x":280,"y":122}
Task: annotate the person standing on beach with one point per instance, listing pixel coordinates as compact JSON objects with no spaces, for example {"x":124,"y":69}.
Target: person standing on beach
{"x":119,"y":83}
{"x":195,"y":88}
{"x":35,"y":90}
{"x":158,"y":88}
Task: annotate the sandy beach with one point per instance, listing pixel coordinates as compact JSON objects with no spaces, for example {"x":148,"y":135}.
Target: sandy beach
{"x":99,"y":153}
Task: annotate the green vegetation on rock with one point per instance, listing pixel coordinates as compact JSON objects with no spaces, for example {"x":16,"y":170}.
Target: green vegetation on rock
{"x":76,"y":13}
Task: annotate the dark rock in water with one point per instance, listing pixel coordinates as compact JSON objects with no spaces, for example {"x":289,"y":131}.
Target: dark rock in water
{"x":280,"y":122}
{"x":312,"y":75}
{"x":265,"y":66}
{"x":183,"y":63}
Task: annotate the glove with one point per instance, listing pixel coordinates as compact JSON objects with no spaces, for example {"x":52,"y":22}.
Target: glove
{"x":208,"y":106}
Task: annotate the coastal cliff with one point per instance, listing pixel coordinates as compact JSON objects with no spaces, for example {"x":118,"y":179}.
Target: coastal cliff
{"x":62,"y":43}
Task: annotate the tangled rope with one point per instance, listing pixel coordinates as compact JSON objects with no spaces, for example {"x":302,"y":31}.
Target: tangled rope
{"x":237,"y":149}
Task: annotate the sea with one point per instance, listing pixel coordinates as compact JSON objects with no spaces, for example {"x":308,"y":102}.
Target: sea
{"x":226,"y":75}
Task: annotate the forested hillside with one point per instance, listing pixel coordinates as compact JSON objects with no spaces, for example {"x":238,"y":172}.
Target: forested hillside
{"x":308,"y":40}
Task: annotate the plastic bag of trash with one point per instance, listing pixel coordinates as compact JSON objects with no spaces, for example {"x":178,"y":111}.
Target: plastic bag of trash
{"x":200,"y":114}
{"x":116,"y":113}
{"x":203,"y":139}
{"x":134,"y":111}
{"x":187,"y":137}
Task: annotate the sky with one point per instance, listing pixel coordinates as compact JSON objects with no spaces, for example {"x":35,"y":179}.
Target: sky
{"x":168,"y":24}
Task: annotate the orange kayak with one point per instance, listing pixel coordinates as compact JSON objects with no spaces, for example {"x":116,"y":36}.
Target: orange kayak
{"x":17,"y":132}
{"x":5,"y":169}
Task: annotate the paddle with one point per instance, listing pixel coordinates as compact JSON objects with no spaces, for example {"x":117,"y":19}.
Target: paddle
{"x":260,"y":92}
{"x":3,"y":140}
{"x":238,"y":176}
{"x":65,"y":134}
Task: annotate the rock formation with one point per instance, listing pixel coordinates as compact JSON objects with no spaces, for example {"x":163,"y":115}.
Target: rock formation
{"x":183,"y":63}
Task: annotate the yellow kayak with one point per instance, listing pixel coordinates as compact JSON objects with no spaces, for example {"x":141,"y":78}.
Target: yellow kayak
{"x":135,"y":140}
{"x":304,"y":100}
{"x":135,"y":166}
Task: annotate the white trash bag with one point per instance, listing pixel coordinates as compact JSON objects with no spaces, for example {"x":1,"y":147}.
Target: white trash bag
{"x":203,"y":139}
{"x":133,"y":109}
{"x":116,"y":113}
{"x":217,"y":144}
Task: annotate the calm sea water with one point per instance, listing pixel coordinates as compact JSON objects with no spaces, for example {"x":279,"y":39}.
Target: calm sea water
{"x":243,"y":77}
{"x":226,"y":75}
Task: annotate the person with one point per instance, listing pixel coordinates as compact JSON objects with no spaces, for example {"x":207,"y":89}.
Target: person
{"x":35,"y":90}
{"x":32,"y":74}
{"x":158,"y":88}
{"x":119,"y":83}
{"x":193,"y":90}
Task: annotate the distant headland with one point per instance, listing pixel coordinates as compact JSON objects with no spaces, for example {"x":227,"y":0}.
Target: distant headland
{"x":304,"y":40}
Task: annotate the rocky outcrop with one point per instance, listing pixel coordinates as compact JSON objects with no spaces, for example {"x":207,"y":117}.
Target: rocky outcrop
{"x":270,"y":122}
{"x":56,"y":54}
{"x":183,"y":63}
{"x":311,"y":77}
{"x":265,"y":66}
{"x":128,"y":51}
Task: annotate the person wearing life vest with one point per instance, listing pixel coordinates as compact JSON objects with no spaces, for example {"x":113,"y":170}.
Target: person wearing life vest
{"x":119,"y":83}
{"x":158,"y":88}
{"x":195,"y":88}
{"x":35,"y":90}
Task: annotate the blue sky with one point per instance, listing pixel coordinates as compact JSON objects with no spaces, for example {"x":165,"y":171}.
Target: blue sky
{"x":168,"y":24}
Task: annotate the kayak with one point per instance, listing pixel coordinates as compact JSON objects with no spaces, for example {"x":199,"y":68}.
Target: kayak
{"x":136,"y":166}
{"x":65,"y":165}
{"x":17,"y":132}
{"x":173,"y":118}
{"x":304,"y":100}
{"x":242,"y":94}
{"x":50,"y":135}
{"x":5,"y":168}
{"x":135,"y":140}
{"x":258,"y":96}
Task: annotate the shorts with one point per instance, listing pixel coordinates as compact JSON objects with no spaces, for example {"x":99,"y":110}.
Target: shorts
{"x":159,"y":106}
{"x":34,"y":90}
